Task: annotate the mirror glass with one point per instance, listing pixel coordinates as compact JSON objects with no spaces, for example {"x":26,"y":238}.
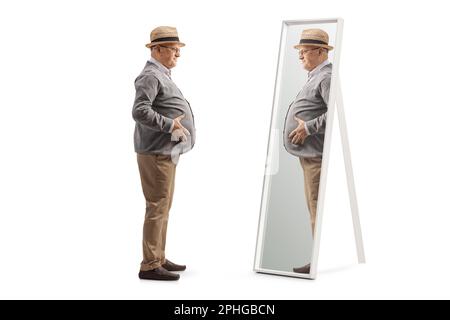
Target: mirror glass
{"x":295,"y":148}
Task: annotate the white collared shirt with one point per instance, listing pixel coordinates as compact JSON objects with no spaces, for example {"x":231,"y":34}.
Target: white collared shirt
{"x":162,"y":67}
{"x":313,"y":72}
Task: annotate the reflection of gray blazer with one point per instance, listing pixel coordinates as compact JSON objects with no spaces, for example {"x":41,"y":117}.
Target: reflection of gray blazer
{"x":158,"y":101}
{"x":310,"y":105}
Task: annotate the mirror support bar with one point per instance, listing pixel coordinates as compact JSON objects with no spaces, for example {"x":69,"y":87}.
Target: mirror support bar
{"x":349,"y":171}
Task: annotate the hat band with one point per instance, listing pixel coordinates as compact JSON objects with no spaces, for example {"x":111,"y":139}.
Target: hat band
{"x":312,"y":41}
{"x":176,"y":39}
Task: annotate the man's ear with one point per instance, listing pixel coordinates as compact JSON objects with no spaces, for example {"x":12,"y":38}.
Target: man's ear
{"x":156,"y":51}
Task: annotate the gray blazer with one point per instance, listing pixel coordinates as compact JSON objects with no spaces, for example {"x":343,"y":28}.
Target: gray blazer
{"x":310,"y":105}
{"x":158,"y":101}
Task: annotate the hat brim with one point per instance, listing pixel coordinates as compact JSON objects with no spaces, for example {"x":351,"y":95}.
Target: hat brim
{"x":314,"y":45}
{"x":152,"y":44}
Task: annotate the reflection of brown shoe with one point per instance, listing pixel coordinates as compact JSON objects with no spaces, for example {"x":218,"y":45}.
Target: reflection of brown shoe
{"x":170,"y":266}
{"x":158,"y":274}
{"x":304,"y":269}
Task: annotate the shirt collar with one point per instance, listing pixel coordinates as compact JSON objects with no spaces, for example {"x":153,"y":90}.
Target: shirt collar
{"x":317,"y":69}
{"x":160,"y":66}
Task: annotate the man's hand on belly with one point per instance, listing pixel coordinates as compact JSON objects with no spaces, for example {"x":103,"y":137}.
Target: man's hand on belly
{"x":299,"y":134}
{"x":179,"y":132}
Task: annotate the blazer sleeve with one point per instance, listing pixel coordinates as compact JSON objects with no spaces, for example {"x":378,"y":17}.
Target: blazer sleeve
{"x":147,"y":87}
{"x":318,"y":124}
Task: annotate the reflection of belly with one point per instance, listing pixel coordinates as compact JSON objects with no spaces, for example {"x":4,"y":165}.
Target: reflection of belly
{"x":290,"y":124}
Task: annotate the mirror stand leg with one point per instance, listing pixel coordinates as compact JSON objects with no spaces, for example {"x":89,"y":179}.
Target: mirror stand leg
{"x":350,"y":177}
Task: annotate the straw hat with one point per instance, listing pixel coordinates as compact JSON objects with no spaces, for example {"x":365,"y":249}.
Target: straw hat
{"x":314,"y":37}
{"x":161,"y":35}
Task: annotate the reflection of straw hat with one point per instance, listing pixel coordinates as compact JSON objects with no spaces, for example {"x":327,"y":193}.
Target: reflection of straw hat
{"x":163,"y":35}
{"x":314,"y":37}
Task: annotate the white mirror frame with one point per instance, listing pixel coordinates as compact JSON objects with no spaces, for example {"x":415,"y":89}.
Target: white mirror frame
{"x":326,"y":151}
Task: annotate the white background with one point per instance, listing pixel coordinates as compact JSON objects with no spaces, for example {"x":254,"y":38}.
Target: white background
{"x":71,"y":208}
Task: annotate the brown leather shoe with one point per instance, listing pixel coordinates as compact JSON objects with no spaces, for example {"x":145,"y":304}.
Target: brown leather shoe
{"x":170,"y":266}
{"x":158,"y":274}
{"x":304,"y":269}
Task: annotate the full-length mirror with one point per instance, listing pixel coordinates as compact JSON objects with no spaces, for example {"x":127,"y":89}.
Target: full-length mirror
{"x":297,"y":148}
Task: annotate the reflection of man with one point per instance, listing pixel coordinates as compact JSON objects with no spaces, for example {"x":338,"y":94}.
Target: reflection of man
{"x":164,"y":129}
{"x":306,"y":119}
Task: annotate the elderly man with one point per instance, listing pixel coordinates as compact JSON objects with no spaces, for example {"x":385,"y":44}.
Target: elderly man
{"x":306,"y":119}
{"x":164,"y":129}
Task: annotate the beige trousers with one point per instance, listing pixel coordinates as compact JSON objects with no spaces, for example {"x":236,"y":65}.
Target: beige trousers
{"x":311,"y":172}
{"x":158,"y":181}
